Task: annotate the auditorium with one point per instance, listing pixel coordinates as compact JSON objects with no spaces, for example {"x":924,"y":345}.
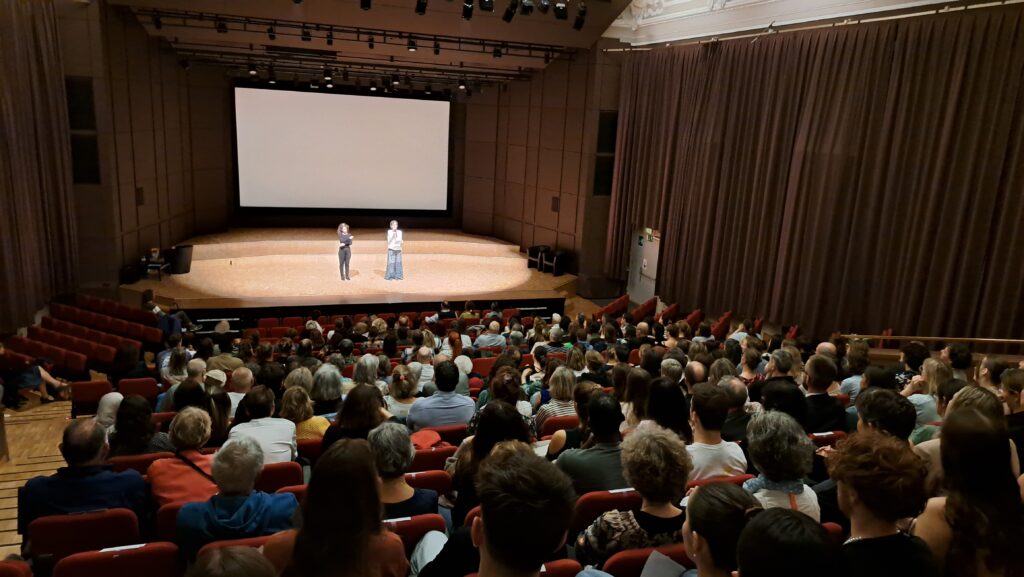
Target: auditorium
{"x":692,"y":288}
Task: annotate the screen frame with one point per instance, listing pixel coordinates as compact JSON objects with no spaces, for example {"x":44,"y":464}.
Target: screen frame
{"x":241,"y":210}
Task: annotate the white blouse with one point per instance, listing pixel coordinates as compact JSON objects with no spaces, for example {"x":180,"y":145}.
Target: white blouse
{"x":394,"y":239}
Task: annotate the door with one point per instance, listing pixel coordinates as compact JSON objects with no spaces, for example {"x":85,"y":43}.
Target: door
{"x":643,"y":265}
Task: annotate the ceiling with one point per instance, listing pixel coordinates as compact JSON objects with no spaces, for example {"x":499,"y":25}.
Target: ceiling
{"x":648,"y":22}
{"x":270,"y":33}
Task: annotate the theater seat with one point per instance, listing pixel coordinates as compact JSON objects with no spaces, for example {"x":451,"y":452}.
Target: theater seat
{"x":277,"y":475}
{"x":162,"y":420}
{"x":645,"y":309}
{"x":139,"y":463}
{"x":693,"y":319}
{"x":145,"y":388}
{"x":591,"y":505}
{"x":668,"y":313}
{"x":86,"y":395}
{"x":412,"y":529}
{"x":56,"y":536}
{"x":150,"y":560}
{"x":167,"y":521}
{"x":483,"y":365}
{"x":431,"y":459}
{"x":552,"y":424}
{"x":439,"y":481}
{"x":254,"y":542}
{"x":298,"y":490}
{"x":15,"y":569}
{"x":310,"y":449}
{"x":614,"y":308}
{"x":631,"y":563}
{"x":560,"y":568}
{"x":453,"y":434}
{"x":827,"y":439}
{"x":735,"y":480}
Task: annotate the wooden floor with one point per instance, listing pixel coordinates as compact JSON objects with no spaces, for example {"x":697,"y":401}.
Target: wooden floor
{"x":33,"y":435}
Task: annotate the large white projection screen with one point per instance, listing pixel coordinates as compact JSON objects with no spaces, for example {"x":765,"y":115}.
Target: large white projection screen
{"x":338,"y":151}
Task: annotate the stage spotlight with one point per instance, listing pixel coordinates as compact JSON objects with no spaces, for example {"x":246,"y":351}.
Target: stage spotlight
{"x":157,"y":22}
{"x":408,"y":81}
{"x":306,"y":35}
{"x":547,"y":57}
{"x":271,"y":77}
{"x":369,"y":43}
{"x":373,"y":86}
{"x":581,"y":16}
{"x":429,"y":89}
{"x":526,"y":8}
{"x":365,"y":4}
{"x":395,"y":80}
{"x":469,"y":91}
{"x":421,"y":7}
{"x":487,"y":5}
{"x":329,"y":84}
{"x":330,"y":37}
{"x":327,"y":75}
{"x":510,"y":10}
{"x":561,"y":12}
{"x":497,"y":52}
{"x":543,"y":6}
{"x":184,"y":64}
{"x":271,"y":34}
{"x":462,"y":83}
{"x":222,"y":27}
{"x":411,"y":45}
{"x":252,"y":69}
{"x":467,"y":9}
{"x":314,"y":84}
{"x":437,"y":47}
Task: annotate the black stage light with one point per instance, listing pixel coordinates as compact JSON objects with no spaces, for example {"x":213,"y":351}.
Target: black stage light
{"x":314,"y":84}
{"x":581,"y":16}
{"x":252,"y":69}
{"x":369,"y":42}
{"x":327,"y":75}
{"x":306,"y":35}
{"x":365,"y":4}
{"x":462,"y":83}
{"x":344,"y":75}
{"x":543,"y":6}
{"x":561,"y":12}
{"x":411,"y":45}
{"x":329,"y":84}
{"x":373,"y":86}
{"x":467,"y":9}
{"x":437,"y":47}
{"x":395,"y":80}
{"x":222,"y":27}
{"x":421,"y":7}
{"x":330,"y":38}
{"x":157,"y":22}
{"x":510,"y":10}
{"x":547,"y":57}
{"x":297,"y":1}
{"x":526,"y":8}
{"x":270,"y":33}
{"x":487,"y":5}
{"x":271,"y":77}
{"x":429,"y":89}
{"x":497,"y":52}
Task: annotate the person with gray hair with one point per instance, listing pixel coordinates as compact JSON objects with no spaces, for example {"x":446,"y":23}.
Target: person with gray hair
{"x":491,"y":337}
{"x":672,"y":370}
{"x":242,"y":382}
{"x":365,"y":373}
{"x":195,"y":373}
{"x":393,"y":452}
{"x":783,"y":454}
{"x":554,"y":343}
{"x":237,"y":511}
{"x":327,"y":388}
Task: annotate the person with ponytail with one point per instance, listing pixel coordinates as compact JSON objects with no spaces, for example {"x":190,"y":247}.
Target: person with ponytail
{"x":341,"y":533}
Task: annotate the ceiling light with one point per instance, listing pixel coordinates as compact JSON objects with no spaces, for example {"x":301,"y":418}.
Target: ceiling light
{"x":270,"y":33}
{"x":313,"y":83}
{"x":411,"y":45}
{"x":369,"y":42}
{"x":581,"y":16}
{"x":364,"y":4}
{"x":252,"y":69}
{"x":297,"y":1}
{"x":543,"y":6}
{"x":497,"y":52}
{"x":330,"y":84}
{"x":561,"y":12}
{"x":306,"y":36}
{"x":394,"y":80}
{"x":437,"y":47}
{"x":327,"y":74}
{"x":510,"y":10}
{"x":330,"y":37}
{"x":373,"y":86}
{"x":487,"y":5}
{"x":271,"y":77}
{"x":429,"y":89}
{"x":222,"y":27}
{"x":157,"y":23}
{"x":467,"y":9}
{"x":526,"y":8}
{"x":421,"y":7}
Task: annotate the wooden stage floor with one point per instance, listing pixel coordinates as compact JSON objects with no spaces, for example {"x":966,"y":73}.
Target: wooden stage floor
{"x":271,"y":267}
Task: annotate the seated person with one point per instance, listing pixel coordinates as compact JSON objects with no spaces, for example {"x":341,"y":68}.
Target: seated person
{"x":86,"y":484}
{"x":712,"y":457}
{"x":237,"y":511}
{"x":134,"y":431}
{"x":824,"y":412}
{"x":881,"y":481}
{"x":341,"y":524}
{"x":445,"y":407}
{"x":393,"y":453}
{"x":656,"y":464}
{"x":565,"y":439}
{"x":188,"y":476}
{"x":716,"y":515}
{"x":491,"y":337}
{"x":561,"y":385}
{"x":232,"y":562}
{"x":297,"y":407}
{"x":783,"y":454}
{"x":784,"y":543}
{"x":598,"y":467}
{"x":361,"y":412}
{"x":275,"y":436}
{"x":735,"y":426}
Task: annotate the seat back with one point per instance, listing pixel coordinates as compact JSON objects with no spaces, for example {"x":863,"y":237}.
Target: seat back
{"x":827,"y":439}
{"x":439,"y":481}
{"x":151,"y":560}
{"x":591,"y":505}
{"x":412,"y":529}
{"x":483,"y":365}
{"x":631,"y":563}
{"x":145,"y":387}
{"x":452,"y":434}
{"x":254,"y":542}
{"x":552,"y":424}
{"x":277,"y":475}
{"x":57,"y":536}
{"x":15,"y":569}
{"x":309,"y":449}
{"x":139,"y":463}
{"x":645,"y":310}
{"x":735,"y":480}
{"x":162,"y":420}
{"x":86,"y":395}
{"x":431,"y":459}
{"x":167,"y":521}
{"x":298,"y":490}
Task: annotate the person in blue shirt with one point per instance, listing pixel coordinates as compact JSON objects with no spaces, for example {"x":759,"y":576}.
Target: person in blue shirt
{"x":237,"y":511}
{"x":445,"y":407}
{"x":86,"y":484}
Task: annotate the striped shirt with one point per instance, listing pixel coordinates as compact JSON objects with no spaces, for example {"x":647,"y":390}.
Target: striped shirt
{"x":554,"y":408}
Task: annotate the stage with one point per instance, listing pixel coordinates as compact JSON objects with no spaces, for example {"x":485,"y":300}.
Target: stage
{"x":298,"y":267}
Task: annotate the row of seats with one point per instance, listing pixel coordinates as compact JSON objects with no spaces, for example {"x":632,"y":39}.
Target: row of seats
{"x":299,"y":322}
{"x":65,"y":361}
{"x":101,"y":354}
{"x":89,"y":334}
{"x":149,"y":335}
{"x":116,"y":309}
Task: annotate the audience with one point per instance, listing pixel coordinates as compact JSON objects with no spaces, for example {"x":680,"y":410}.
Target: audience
{"x":785,"y":543}
{"x":134,"y":431}
{"x":561,"y":384}
{"x":565,"y":439}
{"x":232,"y":562}
{"x":715,"y":517}
{"x":655,"y":463}
{"x":188,"y":476}
{"x":597,"y":465}
{"x":782,"y":454}
{"x":824,"y":412}
{"x":634,"y":398}
{"x":242,"y":382}
{"x":712,"y":457}
{"x":361,"y":412}
{"x":401,"y":392}
{"x":297,"y":407}
{"x":668,"y":407}
{"x":275,"y":436}
{"x":393,"y":453}
{"x":341,"y":531}
{"x":445,"y":407}
{"x":735,"y":426}
{"x":326,"y":391}
{"x":959,"y":358}
{"x":85,"y":484}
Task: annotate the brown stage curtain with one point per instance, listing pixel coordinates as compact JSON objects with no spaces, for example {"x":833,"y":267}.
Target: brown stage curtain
{"x":38,"y":258}
{"x":854,"y":178}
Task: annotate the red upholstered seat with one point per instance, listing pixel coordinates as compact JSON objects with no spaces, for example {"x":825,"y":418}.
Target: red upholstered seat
{"x":167,"y":521}
{"x":735,"y":480}
{"x":439,"y":481}
{"x":827,"y":439}
{"x":145,"y":387}
{"x":268,"y":323}
{"x":163,"y":420}
{"x":293,"y":322}
{"x":139,"y":463}
{"x":309,"y":449}
{"x":15,"y":569}
{"x":552,"y":424}
{"x":720,"y":329}
{"x":668,"y":313}
{"x":634,"y":357}
{"x":298,"y":490}
{"x":254,"y":542}
{"x":431,"y":459}
{"x":614,"y":308}
{"x":835,"y":532}
{"x":57,"y":536}
{"x":453,"y":434}
{"x":631,"y":563}
{"x":591,"y":505}
{"x":844,"y":399}
{"x":151,"y":560}
{"x":473,"y":514}
{"x":645,"y":309}
{"x":483,"y":365}
{"x":412,"y":529}
{"x":85,"y":396}
{"x":278,"y":332}
{"x":277,"y":475}
{"x":693,"y":319}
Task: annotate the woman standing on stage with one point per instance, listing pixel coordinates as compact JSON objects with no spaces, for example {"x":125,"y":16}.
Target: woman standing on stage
{"x":345,"y":250}
{"x":394,"y":270}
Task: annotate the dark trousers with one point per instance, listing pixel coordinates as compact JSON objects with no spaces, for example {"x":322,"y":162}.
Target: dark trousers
{"x":344,"y":255}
